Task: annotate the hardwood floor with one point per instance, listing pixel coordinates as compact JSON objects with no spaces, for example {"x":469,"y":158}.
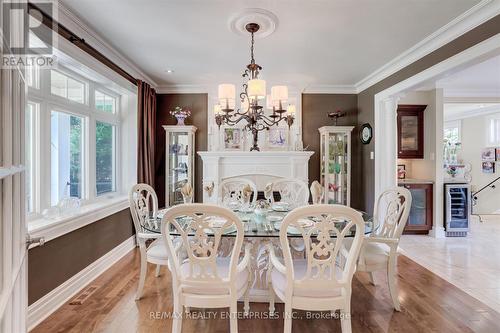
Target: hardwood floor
{"x":429,"y":304}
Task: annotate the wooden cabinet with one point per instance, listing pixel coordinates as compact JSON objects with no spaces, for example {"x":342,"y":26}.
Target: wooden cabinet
{"x":420,"y":219}
{"x":411,"y":131}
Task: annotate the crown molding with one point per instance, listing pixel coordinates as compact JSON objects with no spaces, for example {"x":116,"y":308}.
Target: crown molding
{"x":77,"y":26}
{"x":183,"y":89}
{"x":476,"y":112}
{"x":471,"y":93}
{"x":329,"y":89}
{"x":472,"y":18}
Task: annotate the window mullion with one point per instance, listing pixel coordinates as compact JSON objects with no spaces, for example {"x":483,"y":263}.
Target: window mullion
{"x":91,"y":160}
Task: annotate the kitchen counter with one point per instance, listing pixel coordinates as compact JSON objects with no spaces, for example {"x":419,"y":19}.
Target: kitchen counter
{"x":414,"y":181}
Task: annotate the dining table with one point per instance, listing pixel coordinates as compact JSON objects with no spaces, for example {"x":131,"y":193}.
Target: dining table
{"x":260,"y":229}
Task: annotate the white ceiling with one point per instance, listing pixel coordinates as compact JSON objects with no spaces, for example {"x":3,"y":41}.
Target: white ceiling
{"x":453,"y":111}
{"x":481,"y":80}
{"x":317,"y":42}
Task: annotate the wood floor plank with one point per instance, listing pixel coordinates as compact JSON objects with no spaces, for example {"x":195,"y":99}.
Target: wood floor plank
{"x":429,"y":304}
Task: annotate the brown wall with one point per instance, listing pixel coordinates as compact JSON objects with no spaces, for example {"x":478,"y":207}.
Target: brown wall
{"x":366,"y":98}
{"x":315,"y":108}
{"x":199,"y":107}
{"x":61,"y":258}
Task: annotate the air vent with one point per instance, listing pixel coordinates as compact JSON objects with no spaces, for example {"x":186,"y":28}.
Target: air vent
{"x":83,"y":295}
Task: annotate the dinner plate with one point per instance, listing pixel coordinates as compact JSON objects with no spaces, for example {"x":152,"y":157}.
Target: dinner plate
{"x":274,"y":218}
{"x":280,"y":207}
{"x":293,"y":230}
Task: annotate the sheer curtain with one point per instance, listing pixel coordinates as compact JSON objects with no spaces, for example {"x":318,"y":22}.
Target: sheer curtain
{"x":146,"y":133}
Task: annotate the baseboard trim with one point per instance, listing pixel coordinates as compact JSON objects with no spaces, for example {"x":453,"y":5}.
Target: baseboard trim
{"x":45,"y":306}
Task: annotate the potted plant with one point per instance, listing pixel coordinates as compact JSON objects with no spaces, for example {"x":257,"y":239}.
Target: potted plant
{"x":180,"y":114}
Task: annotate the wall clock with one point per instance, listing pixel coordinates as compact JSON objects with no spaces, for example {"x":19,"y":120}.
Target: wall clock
{"x":366,"y":133}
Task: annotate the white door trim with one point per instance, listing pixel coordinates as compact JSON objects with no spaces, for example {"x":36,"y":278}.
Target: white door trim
{"x":385,"y":127}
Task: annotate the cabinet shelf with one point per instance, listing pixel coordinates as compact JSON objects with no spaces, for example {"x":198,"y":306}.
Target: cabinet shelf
{"x":335,"y":156}
{"x":180,"y":161}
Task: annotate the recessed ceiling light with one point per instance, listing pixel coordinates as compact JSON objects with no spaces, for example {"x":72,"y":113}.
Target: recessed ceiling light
{"x":169,"y":71}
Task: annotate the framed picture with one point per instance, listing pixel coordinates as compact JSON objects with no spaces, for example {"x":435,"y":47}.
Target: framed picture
{"x":488,"y":155}
{"x":488,"y":167}
{"x":232,"y":138}
{"x":277,"y":138}
{"x":498,"y":154}
{"x":401,"y":171}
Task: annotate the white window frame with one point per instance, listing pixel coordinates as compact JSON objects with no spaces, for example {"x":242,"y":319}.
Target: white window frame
{"x":49,"y":102}
{"x":454,"y":124}
{"x":491,"y":141}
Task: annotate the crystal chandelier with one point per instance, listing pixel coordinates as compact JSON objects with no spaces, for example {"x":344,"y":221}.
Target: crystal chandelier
{"x":254,"y":91}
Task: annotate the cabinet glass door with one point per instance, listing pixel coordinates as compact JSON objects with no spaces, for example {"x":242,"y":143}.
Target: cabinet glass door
{"x":418,"y":211}
{"x":178,"y":165}
{"x":335,"y":168}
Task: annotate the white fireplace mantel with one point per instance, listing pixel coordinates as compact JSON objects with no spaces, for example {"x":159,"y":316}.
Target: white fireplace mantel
{"x":260,"y":167}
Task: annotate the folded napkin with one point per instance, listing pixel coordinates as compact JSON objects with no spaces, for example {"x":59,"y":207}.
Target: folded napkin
{"x":246,"y":193}
{"x":187,"y":193}
{"x":316,"y":192}
{"x":268,"y":191}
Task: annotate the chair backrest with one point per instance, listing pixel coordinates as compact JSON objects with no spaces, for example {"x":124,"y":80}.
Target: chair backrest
{"x":293,"y":191}
{"x":234,"y":187}
{"x":200,"y":227}
{"x":317,"y":192}
{"x":323,"y":241}
{"x":391,"y":212}
{"x":143,"y":204}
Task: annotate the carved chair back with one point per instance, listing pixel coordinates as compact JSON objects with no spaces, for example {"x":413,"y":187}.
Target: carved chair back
{"x":327,"y":265}
{"x":201,"y":228}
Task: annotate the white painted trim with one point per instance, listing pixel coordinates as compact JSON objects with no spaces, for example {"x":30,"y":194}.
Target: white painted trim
{"x":472,"y":18}
{"x":78,"y":27}
{"x":330,"y":89}
{"x":49,"y":303}
{"x":385,"y":129}
{"x":53,"y":228}
{"x":484,"y":93}
{"x":478,"y":112}
{"x":183,"y":89}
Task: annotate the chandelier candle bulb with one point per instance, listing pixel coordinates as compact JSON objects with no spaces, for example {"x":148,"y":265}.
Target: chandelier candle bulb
{"x":291,"y":110}
{"x":217,"y":109}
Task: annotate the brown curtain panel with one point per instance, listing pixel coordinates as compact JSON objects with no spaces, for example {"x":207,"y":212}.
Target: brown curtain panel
{"x":146,"y":133}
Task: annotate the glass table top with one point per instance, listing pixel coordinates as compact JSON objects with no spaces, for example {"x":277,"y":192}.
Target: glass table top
{"x":255,"y":225}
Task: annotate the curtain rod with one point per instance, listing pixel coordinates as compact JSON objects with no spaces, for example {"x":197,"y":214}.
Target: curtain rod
{"x":67,"y":34}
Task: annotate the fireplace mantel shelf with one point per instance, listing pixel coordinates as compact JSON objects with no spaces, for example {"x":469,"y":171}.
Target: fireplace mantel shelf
{"x":253,"y":154}
{"x":260,"y":167}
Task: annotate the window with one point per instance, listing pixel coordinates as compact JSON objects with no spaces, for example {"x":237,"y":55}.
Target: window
{"x":66,"y":153}
{"x":72,"y":139}
{"x":494,"y":130}
{"x":105,"y":158}
{"x":31,"y":110}
{"x":104,"y":102}
{"x":452,"y":132}
{"x":66,"y":87}
{"x":32,"y":77}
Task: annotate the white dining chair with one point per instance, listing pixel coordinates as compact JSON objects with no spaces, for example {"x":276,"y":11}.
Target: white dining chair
{"x":143,"y":205}
{"x":233,"y":187}
{"x":292,"y":191}
{"x":321,"y":281}
{"x":379,"y":250}
{"x":205,"y":279}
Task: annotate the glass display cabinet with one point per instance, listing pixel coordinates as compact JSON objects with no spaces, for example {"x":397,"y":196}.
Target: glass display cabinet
{"x":335,"y":169}
{"x":179,"y":161}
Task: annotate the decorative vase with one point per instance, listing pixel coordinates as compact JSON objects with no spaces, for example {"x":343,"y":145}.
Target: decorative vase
{"x":180,"y":119}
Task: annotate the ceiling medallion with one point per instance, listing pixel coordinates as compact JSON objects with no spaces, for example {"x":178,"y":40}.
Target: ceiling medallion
{"x":267,"y":21}
{"x":253,"y":92}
